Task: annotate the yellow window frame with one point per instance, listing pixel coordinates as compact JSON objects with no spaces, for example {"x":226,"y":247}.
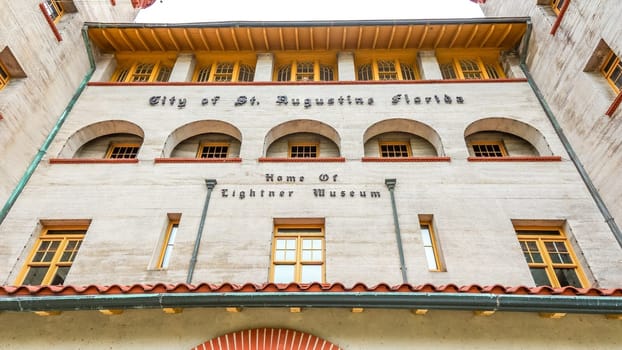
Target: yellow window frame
{"x":557,"y":5}
{"x":57,"y":7}
{"x":202,"y":145}
{"x":548,"y":265}
{"x":433,"y":245}
{"x":303,"y":144}
{"x":169,"y":241}
{"x":55,"y":262}
{"x":298,"y":263}
{"x":611,"y":65}
{"x":316,"y":75}
{"x":4,"y":76}
{"x":212,"y":61}
{"x":375,"y":70}
{"x":499,"y":144}
{"x":394,"y":143}
{"x":482,"y":65}
{"x":114,"y":145}
{"x":128,"y":65}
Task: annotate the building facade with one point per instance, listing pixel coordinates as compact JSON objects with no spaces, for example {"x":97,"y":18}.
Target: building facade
{"x":42,"y":64}
{"x":574,"y":56}
{"x":316,"y":185}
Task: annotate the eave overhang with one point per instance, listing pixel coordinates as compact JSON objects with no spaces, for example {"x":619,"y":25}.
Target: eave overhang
{"x":478,"y":33}
{"x":424,"y":297}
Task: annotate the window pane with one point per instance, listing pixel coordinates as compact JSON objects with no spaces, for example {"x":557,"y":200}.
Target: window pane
{"x":364,"y":72}
{"x":540,"y":277}
{"x":60,"y":275}
{"x":246,"y":73}
{"x":311,"y":273}
{"x":35,"y":275}
{"x":558,"y":252}
{"x":567,"y":277}
{"x":430,"y":258}
{"x":284,"y":73}
{"x":448,"y":72}
{"x":203,"y":74}
{"x":284,"y":273}
{"x":408,"y":72}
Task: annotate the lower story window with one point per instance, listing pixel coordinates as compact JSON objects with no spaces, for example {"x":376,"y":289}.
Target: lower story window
{"x":550,"y":257}
{"x":303,"y":151}
{"x":394,"y":150}
{"x":488,"y":149}
{"x":298,"y":254}
{"x":52,"y":257}
{"x":213,"y":150}
{"x":122,"y":151}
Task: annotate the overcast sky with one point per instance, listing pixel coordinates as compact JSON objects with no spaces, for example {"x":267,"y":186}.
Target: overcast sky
{"x":178,"y":11}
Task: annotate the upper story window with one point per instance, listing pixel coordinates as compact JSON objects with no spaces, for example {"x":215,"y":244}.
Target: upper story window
{"x":166,"y":249}
{"x":305,"y":71}
{"x":430,"y":246}
{"x":394,"y":149}
{"x":4,"y":76}
{"x":557,"y":5}
{"x":157,"y":69}
{"x":213,"y":150}
{"x":612,"y":70}
{"x":123,"y":150}
{"x":468,"y":64}
{"x":550,"y":257}
{"x":225,"y":68}
{"x":386,"y":69}
{"x":304,"y":150}
{"x":489,"y":149}
{"x":54,"y":8}
{"x":52,"y":257}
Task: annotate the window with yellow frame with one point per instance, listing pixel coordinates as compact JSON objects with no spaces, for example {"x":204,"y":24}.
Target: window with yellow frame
{"x":488,"y":149}
{"x":54,"y":9}
{"x":298,"y":254}
{"x":143,"y":69}
{"x":612,"y":71}
{"x":52,"y":256}
{"x":394,"y":149}
{"x":226,"y":70}
{"x":4,"y":76}
{"x":469,"y":65}
{"x":169,"y":241}
{"x":304,"y":150}
{"x":550,"y":257}
{"x":430,"y":246}
{"x":122,"y":151}
{"x":557,"y":5}
{"x":386,"y":69}
{"x":305,"y":71}
{"x":213,"y":150}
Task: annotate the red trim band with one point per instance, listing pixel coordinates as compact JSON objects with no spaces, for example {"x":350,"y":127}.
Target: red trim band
{"x":302,"y":160}
{"x":614,"y":106}
{"x":198,"y":160}
{"x":91,"y":161}
{"x":560,"y":16}
{"x":405,"y":159}
{"x":516,"y":159}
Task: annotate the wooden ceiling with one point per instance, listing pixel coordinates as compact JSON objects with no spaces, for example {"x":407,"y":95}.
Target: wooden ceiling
{"x":332,"y":36}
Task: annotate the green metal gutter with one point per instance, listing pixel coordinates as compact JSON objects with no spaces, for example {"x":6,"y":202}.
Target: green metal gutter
{"x":396,"y":223}
{"x":46,"y":144}
{"x":384,"y":300}
{"x":210,"y":183}
{"x":562,"y":137}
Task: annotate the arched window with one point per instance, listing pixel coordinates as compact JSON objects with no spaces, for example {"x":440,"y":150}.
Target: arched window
{"x":467,"y":68}
{"x":143,"y":71}
{"x":365,"y":72}
{"x":386,"y":69}
{"x":305,"y":71}
{"x":231,"y":71}
{"x":284,"y":73}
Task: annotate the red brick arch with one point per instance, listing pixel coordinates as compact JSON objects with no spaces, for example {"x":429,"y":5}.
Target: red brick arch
{"x":267,"y":339}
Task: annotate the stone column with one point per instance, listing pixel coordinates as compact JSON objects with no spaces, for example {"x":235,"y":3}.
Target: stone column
{"x":183,"y":68}
{"x":106,"y":65}
{"x":265,"y":65}
{"x":345,"y":62}
{"x":429,"y":67}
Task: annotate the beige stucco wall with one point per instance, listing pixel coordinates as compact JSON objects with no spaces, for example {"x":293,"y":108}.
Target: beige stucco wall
{"x":30,"y":106}
{"x":370,"y":330}
{"x":579,"y":98}
{"x":472,"y":203}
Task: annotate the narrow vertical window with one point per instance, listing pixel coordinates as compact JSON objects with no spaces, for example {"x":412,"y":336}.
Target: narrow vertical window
{"x":430,"y":246}
{"x":246,"y":73}
{"x":53,"y":255}
{"x":326,"y":73}
{"x":169,"y":241}
{"x":408,"y":72}
{"x":550,"y":257}
{"x":365,"y":72}
{"x":203,"y":74}
{"x":284,"y":73}
{"x":298,"y":254}
{"x":4,"y":77}
{"x":448,"y":71}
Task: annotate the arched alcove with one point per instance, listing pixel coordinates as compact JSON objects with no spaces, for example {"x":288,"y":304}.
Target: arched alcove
{"x":184,"y":141}
{"x":94,"y":140}
{"x":519,"y":138}
{"x":422,"y":140}
{"x":268,"y":339}
{"x":279,"y":140}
